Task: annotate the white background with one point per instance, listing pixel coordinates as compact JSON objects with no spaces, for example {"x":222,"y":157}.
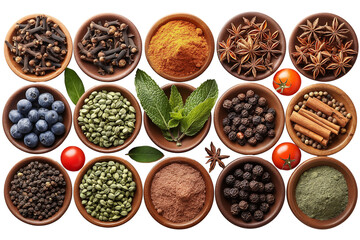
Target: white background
{"x":144,"y":14}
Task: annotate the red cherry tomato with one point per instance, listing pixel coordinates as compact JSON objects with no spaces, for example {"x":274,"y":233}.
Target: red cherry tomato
{"x":287,"y":81}
{"x":72,"y":158}
{"x":286,"y":156}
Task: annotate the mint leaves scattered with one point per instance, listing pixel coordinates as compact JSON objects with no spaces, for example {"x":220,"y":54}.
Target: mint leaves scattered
{"x":171,"y":115}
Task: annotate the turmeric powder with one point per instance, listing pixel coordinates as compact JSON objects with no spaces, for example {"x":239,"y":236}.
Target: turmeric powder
{"x":178,"y":49}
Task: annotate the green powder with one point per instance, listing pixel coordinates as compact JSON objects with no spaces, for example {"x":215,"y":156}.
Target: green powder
{"x":322,"y":193}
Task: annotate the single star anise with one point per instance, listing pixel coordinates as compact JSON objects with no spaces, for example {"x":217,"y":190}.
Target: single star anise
{"x":247,"y":49}
{"x":301,"y":55}
{"x":237,"y":65}
{"x":249,"y":23}
{"x":319,"y":47}
{"x":305,"y":44}
{"x":236,"y":32}
{"x":226,"y":50}
{"x":259,"y":31}
{"x":215,"y":157}
{"x":339,"y":64}
{"x":269,"y":49}
{"x":311,"y":29}
{"x":256,"y":64}
{"x":271,"y":37}
{"x":345,"y":48}
{"x":317,"y":65}
{"x":335,"y":32}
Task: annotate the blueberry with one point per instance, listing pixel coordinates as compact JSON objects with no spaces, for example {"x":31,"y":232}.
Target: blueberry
{"x":15,"y":116}
{"x":24,"y":106}
{"x":15,"y":132}
{"x":60,"y":119}
{"x":51,"y":117}
{"x":31,"y":140}
{"x":58,"y":128}
{"x":32,"y":94}
{"x":33,"y":115}
{"x":42,"y":112}
{"x":58,"y":106}
{"x":41,"y":125}
{"x":47,"y":138}
{"x":24,"y":125}
{"x":45,"y":100}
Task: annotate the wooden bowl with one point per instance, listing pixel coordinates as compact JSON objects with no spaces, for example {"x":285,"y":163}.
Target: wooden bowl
{"x":68,"y":191}
{"x":273,"y":102}
{"x":17,"y":68}
{"x":224,"y":204}
{"x":209,"y":197}
{"x":136,"y":200}
{"x":188,"y":143}
{"x":124,"y":92}
{"x":197,"y":22}
{"x":342,"y":139}
{"x":352,"y":192}
{"x":272,"y":25}
{"x":323,"y":18}
{"x":90,"y":69}
{"x":11,"y":104}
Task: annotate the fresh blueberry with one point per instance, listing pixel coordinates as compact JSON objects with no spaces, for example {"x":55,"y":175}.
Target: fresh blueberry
{"x":32,"y":94}
{"x":47,"y":138}
{"x":15,"y":116}
{"x":58,"y":128}
{"x":45,"y":100}
{"x":60,"y":119}
{"x":33,"y":115}
{"x":42,"y":112}
{"x":24,"y":106}
{"x":51,"y":117}
{"x":15,"y":132}
{"x":24,"y":125}
{"x":41,"y":125}
{"x":58,"y":106}
{"x":31,"y":140}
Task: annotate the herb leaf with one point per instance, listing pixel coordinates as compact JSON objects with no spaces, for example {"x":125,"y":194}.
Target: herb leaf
{"x":145,"y":154}
{"x":74,"y":86}
{"x":175,"y":100}
{"x":208,"y":89}
{"x":153,"y":100}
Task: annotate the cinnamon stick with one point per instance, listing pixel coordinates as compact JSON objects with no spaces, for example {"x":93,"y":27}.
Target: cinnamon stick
{"x":318,"y":105}
{"x":303,"y":121}
{"x":321,"y":121}
{"x":310,"y":134}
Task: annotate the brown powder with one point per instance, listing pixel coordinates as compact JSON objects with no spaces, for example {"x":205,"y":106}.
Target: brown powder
{"x":178,"y":192}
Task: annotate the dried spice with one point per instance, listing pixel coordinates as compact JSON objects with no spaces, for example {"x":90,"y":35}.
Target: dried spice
{"x":39,"y":45}
{"x":250,"y":47}
{"x":324,"y":48}
{"x":215,"y":157}
{"x":108,"y":45}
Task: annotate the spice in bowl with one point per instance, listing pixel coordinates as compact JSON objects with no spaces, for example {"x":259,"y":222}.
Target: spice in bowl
{"x":319,"y":118}
{"x":322,"y":193}
{"x":38,"y":190}
{"x":107,"y":190}
{"x":108,"y":45}
{"x":250,"y":120}
{"x":178,"y":192}
{"x":39,"y":45}
{"x":107,"y":119}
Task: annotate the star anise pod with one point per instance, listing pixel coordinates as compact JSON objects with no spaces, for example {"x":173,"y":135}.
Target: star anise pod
{"x":259,"y":31}
{"x":247,"y":48}
{"x":319,"y":47}
{"x":256,"y":64}
{"x":237,"y":65}
{"x":311,"y":29}
{"x":340,"y":62}
{"x":301,"y":55}
{"x":236,"y":32}
{"x":317,"y":65}
{"x":271,"y":37}
{"x":346,"y":48}
{"x":249,"y":23}
{"x":305,"y":44}
{"x":269,"y":49}
{"x":215,"y":157}
{"x":226,"y":50}
{"x":335,"y":32}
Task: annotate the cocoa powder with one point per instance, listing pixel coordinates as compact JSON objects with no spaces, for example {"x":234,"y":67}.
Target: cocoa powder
{"x":178,"y":192}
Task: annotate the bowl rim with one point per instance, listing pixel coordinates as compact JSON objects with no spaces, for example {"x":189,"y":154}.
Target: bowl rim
{"x":134,"y":103}
{"x":137,"y":197}
{"x":192,"y":19}
{"x":292,"y":183}
{"x":122,"y":72}
{"x":209,"y":192}
{"x":283,"y":47}
{"x":206,"y":127}
{"x":59,"y":140}
{"x":68,"y":193}
{"x":292,"y":41}
{"x":274,"y":174}
{"x":297,"y":140}
{"x":32,"y":77}
{"x":254,"y":150}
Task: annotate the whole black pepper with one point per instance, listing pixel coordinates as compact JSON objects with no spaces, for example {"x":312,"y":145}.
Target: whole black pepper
{"x":227,"y":130}
{"x":236,"y":121}
{"x":231,"y":115}
{"x":252,"y":141}
{"x":252,"y":207}
{"x":245,"y":121}
{"x":261,"y":129}
{"x":252,"y":101}
{"x":258,"y":215}
{"x":243,"y":205}
{"x":272,"y":111}
{"x":250,"y":93}
{"x":232,"y":136}
{"x":261,"y":187}
{"x":247,"y":106}
{"x":259,"y":111}
{"x":254,"y":186}
{"x":248,"y":133}
{"x":244,"y":185}
{"x":270,"y":198}
{"x":229,"y":180}
{"x":270,"y":125}
{"x":237,"y":184}
{"x":227,"y":104}
{"x":259,"y":137}
{"x":248,"y":167}
{"x":262,"y":102}
{"x":239,"y":107}
{"x":242,"y":128}
{"x":241,"y":96}
{"x":241,"y":142}
{"x":269,"y":187}
{"x":227,"y":192}
{"x":256,"y":120}
{"x":235,"y":209}
{"x":264,"y":207}
{"x":254,"y":198}
{"x":269,"y":117}
{"x":262,"y":198}
{"x":258,"y":170}
{"x":244,"y":113}
{"x":247,"y":176}
{"x":234,"y":193}
{"x":271,"y":133}
{"x":226,"y":122}
{"x":238,"y":173}
{"x":235,"y":101}
{"x":243,"y":195}
{"x":246,"y":216}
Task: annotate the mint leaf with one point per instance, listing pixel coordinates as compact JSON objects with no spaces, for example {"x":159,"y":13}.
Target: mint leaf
{"x":177,"y":115}
{"x":208,"y":89}
{"x":145,"y":154}
{"x":74,"y":86}
{"x":174,"y":132}
{"x":153,"y":100}
{"x":175,"y":100}
{"x":173,"y":123}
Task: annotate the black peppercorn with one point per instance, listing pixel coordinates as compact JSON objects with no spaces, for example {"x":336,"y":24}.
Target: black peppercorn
{"x":271,"y":133}
{"x":248,"y":133}
{"x":239,"y":107}
{"x":261,"y":129}
{"x":269,"y":187}
{"x":233,"y":128}
{"x":259,"y":137}
{"x":227,"y":104}
{"x":270,"y":198}
{"x":243,"y":195}
{"x":262,"y":102}
{"x":226,"y":122}
{"x":269,"y":117}
{"x":238,"y":173}
{"x":227,"y":192}
{"x":265,"y":177}
{"x":250,"y":93}
{"x":232,"y":136}
{"x":247,"y":106}
{"x":258,"y":215}
{"x":235,"y":101}
{"x":252,"y":101}
{"x":272,"y":111}
{"x":234,"y":193}
{"x":241,"y":142}
{"x":244,"y":113}
{"x":229,"y":180}
{"x":254,"y":186}
{"x":235,"y":209}
{"x":259,"y":111}
{"x":252,"y":141}
{"x":245,"y":121}
{"x":248,"y":167}
{"x":243,"y":205}
{"x":241,"y":96}
{"x":246,"y":216}
{"x":252,"y":207}
{"x":237,"y":184}
{"x":258,"y":170}
{"x":236,"y":121}
{"x":244,"y":185}
{"x":262,"y":198}
{"x":256,"y":120}
{"x":270,"y":125}
{"x":264,"y":207}
{"x":231,"y":115}
{"x":227,"y":130}
{"x":261,"y":187}
{"x":242,"y":128}
{"x":254,"y":198}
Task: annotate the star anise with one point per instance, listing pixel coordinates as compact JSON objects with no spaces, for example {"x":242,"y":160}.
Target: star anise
{"x":237,"y":65}
{"x":317,"y":65}
{"x":247,"y":49}
{"x":226,"y":50}
{"x":301,"y":55}
{"x":215,"y":157}
{"x":259,"y":31}
{"x":236,"y":32}
{"x":319,"y":47}
{"x":305,"y":44}
{"x":271,"y":37}
{"x":311,"y":29}
{"x":345,"y":48}
{"x":269,"y":49}
{"x":340,"y":62}
{"x":335,"y":32}
{"x":249,"y":23}
{"x":256,"y":64}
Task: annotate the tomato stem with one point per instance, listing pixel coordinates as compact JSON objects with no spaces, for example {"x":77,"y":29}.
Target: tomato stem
{"x":287,"y":161}
{"x":282,"y":85}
